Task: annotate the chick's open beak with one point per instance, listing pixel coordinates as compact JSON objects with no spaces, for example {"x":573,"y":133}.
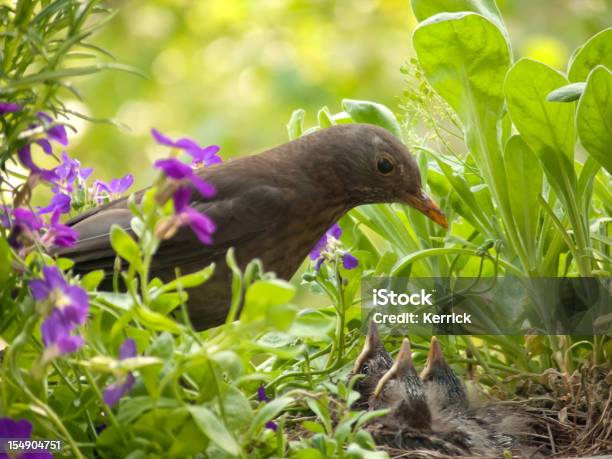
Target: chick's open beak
{"x":423,"y":203}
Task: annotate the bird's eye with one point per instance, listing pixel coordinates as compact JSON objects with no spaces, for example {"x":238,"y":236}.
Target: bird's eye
{"x":365,"y":369}
{"x":384,"y":166}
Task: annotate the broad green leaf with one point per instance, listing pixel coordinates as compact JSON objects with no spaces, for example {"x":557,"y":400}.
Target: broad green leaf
{"x":364,"y":111}
{"x":214,"y":429}
{"x":594,"y":116}
{"x":238,"y":411}
{"x":92,"y":279}
{"x":524,"y":173}
{"x":567,"y":93}
{"x":464,"y":57}
{"x":295,"y":127}
{"x":125,"y":246}
{"x":541,"y":123}
{"x":596,"y":51}
{"x":424,"y":9}
{"x":263,"y":294}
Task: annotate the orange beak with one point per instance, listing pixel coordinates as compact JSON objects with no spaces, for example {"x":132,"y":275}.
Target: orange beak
{"x":427,"y":206}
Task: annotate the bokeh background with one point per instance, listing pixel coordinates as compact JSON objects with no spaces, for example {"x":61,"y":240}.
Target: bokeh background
{"x":230,"y":72}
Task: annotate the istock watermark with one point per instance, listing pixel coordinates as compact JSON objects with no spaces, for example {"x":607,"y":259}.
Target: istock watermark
{"x":489,"y":306}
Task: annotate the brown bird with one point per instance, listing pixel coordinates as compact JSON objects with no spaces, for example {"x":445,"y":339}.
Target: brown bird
{"x":273,"y":206}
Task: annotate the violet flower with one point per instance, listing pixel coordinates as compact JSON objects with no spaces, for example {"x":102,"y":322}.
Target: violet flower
{"x":56,"y":132}
{"x":329,"y":246}
{"x":59,"y":201}
{"x":19,"y":430}
{"x":9,"y":107}
{"x":58,"y":233}
{"x":69,"y":171}
{"x":70,"y":301}
{"x":202,"y":156}
{"x":56,"y":331}
{"x":181,"y":173}
{"x":113,"y":189}
{"x":25,"y":228}
{"x":116,"y":390}
{"x":25,"y":156}
{"x":201,"y":225}
{"x":261,"y":394}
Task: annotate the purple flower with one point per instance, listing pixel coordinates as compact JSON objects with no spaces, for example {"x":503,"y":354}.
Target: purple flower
{"x":55,"y":132}
{"x":58,"y":233}
{"x":59,"y":201}
{"x":116,"y":390}
{"x":201,"y":225}
{"x":180,"y":172}
{"x":25,"y":156}
{"x":349,"y":261}
{"x":70,"y":301}
{"x":25,"y":228}
{"x":19,"y":430}
{"x":112,"y":190}
{"x":8,"y":107}
{"x":328,"y":245}
{"x":127,"y":349}
{"x":202,"y":156}
{"x":56,"y":335}
{"x":261,"y":394}
{"x":272,"y":425}
{"x":69,"y":171}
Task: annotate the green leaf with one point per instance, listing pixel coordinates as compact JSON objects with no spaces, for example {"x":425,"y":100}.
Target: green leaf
{"x":596,"y":51}
{"x":524,"y":173}
{"x":567,"y":93}
{"x":92,"y":279}
{"x":268,"y":412}
{"x":263,"y":294}
{"x":465,"y":58}
{"x":541,"y":123}
{"x":189,"y":280}
{"x":324,"y":117}
{"x":295,"y":127}
{"x":214,"y":429}
{"x":363,"y":111}
{"x":5,"y":261}
{"x":594,"y":114}
{"x":125,"y":246}
{"x":238,"y":411}
{"x":424,"y":9}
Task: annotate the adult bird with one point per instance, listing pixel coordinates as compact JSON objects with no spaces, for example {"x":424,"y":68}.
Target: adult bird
{"x":273,"y":206}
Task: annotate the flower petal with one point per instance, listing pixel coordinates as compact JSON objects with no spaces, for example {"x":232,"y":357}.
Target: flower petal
{"x":127,"y":349}
{"x":349,"y":261}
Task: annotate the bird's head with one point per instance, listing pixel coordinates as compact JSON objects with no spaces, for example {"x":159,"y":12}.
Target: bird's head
{"x":373,"y":362}
{"x":402,"y":389}
{"x":441,"y":380}
{"x":374,"y":166}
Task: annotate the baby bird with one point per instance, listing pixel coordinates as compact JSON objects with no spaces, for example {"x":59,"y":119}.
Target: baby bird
{"x":373,"y":362}
{"x":434,"y":416}
{"x":442,"y":384}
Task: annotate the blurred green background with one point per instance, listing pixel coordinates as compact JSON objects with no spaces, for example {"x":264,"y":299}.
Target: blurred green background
{"x":230,"y":72}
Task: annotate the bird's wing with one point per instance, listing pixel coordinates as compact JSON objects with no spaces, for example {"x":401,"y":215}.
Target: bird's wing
{"x":239,"y":217}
